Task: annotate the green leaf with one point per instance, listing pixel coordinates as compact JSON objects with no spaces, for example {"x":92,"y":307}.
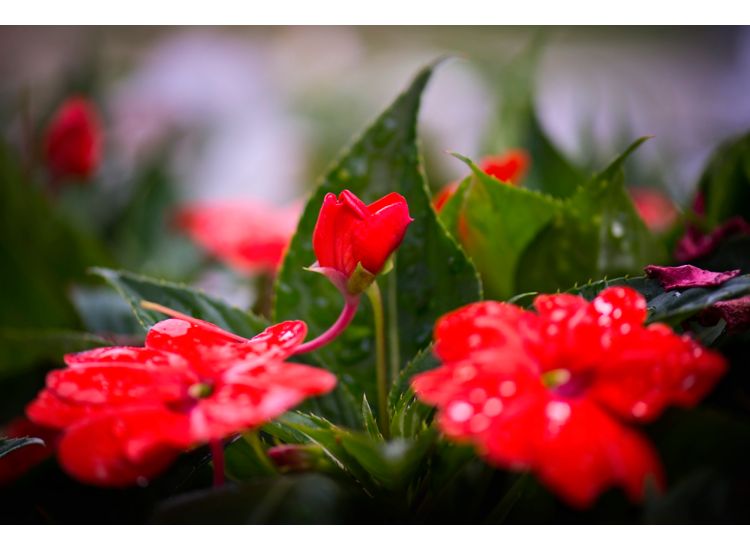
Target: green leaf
{"x":42,"y":252}
{"x":502,"y":221}
{"x":671,"y":306}
{"x":9,"y":445}
{"x":425,"y":360}
{"x":409,"y":416}
{"x":452,"y":208}
{"x":135,"y":288}
{"x":21,"y":348}
{"x":371,"y":425}
{"x":431,"y":275}
{"x":296,"y":499}
{"x":596,"y":233}
{"x":725,"y":182}
{"x":391,"y":464}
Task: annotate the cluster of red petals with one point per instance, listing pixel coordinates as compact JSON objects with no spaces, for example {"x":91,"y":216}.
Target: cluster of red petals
{"x":251,"y":237}
{"x":20,"y":461}
{"x":656,"y":210}
{"x":72,"y":144}
{"x":349,"y":232}
{"x":688,"y":276}
{"x":554,"y":391}
{"x":509,"y":168}
{"x":127,"y":412}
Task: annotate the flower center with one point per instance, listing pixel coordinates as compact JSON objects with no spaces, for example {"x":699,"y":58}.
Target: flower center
{"x":201,"y":390}
{"x":563,"y":383}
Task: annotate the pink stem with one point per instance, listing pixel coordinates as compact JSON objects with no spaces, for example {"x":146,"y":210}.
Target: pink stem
{"x":347,"y":314}
{"x":217,"y":453}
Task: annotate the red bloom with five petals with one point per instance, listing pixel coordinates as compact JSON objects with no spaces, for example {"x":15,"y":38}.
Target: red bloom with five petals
{"x":555,"y":391}
{"x":72,"y":144}
{"x":349,"y":233}
{"x":127,"y":412}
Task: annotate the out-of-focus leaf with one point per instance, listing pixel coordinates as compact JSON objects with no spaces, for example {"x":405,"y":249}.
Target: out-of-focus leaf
{"x":135,"y":288}
{"x":21,"y":348}
{"x":596,"y":233}
{"x":8,"y":445}
{"x":293,"y":499}
{"x":725,"y":183}
{"x":431,"y":274}
{"x":391,"y":464}
{"x":517,"y":125}
{"x":501,"y":222}
{"x":103,"y":311}
{"x":144,"y":237}
{"x":41,"y":253}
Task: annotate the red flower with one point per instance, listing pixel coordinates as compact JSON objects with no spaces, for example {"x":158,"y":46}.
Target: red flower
{"x":73,"y":140}
{"x":127,"y":412}
{"x":509,"y":168}
{"x":251,"y":237}
{"x":554,"y":391}
{"x":349,"y":233}
{"x":654,"y":208}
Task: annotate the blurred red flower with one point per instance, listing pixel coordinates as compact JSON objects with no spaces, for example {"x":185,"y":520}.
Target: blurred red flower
{"x":554,"y":391}
{"x":127,"y":412}
{"x":656,"y":210}
{"x":509,"y":168}
{"x":251,"y":237}
{"x":349,"y":232}
{"x":72,"y":144}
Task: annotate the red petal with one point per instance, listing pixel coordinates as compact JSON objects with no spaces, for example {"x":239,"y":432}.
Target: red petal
{"x":48,"y":410}
{"x":125,"y":357}
{"x":476,"y":327}
{"x":582,"y":452}
{"x":444,"y":195}
{"x":124,"y":447}
{"x":382,"y":233}
{"x":253,"y":398}
{"x":116,"y":385}
{"x":736,"y":313}
{"x":509,"y":167}
{"x":324,"y":234}
{"x":687,"y":276}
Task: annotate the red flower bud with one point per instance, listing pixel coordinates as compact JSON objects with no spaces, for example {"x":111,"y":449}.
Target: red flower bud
{"x":72,"y":145}
{"x":350,"y":233}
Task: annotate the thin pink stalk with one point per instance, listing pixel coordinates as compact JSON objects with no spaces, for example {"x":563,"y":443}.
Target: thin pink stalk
{"x":217,"y":454}
{"x":347,"y":314}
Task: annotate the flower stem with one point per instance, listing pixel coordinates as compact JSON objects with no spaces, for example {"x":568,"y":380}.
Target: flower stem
{"x":347,"y":314}
{"x":381,"y":367}
{"x":217,"y":454}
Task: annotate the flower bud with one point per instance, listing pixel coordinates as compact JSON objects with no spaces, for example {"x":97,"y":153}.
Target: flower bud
{"x":353,"y":241}
{"x":72,"y":145}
